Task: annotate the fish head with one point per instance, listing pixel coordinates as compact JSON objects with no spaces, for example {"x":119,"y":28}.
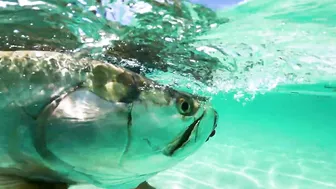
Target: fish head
{"x":122,"y":127}
{"x":166,"y":127}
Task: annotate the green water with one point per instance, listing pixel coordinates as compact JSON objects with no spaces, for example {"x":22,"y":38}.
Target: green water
{"x":276,"y":141}
{"x":269,"y":66}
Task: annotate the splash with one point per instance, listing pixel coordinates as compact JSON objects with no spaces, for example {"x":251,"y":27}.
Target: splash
{"x":273,"y":44}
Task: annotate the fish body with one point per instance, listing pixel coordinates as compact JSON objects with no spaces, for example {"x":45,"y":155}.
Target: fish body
{"x":68,"y":121}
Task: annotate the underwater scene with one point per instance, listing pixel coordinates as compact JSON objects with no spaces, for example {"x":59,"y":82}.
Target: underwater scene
{"x":267,"y":67}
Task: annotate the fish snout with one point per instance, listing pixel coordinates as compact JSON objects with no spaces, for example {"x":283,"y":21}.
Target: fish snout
{"x":214,"y":125}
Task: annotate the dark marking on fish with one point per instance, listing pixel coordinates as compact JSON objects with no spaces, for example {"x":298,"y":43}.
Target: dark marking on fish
{"x":129,"y":125}
{"x":129,"y":121}
{"x":101,"y":76}
{"x":140,"y":81}
{"x":133,"y":91}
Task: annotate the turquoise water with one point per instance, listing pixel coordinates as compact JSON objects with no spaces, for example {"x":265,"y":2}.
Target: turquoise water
{"x":269,"y":67}
{"x":275,"y":141}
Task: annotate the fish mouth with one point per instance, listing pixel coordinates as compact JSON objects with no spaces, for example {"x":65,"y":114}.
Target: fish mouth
{"x":184,"y":138}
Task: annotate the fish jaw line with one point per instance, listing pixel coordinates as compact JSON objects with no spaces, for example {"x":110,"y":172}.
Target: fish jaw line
{"x":184,"y":138}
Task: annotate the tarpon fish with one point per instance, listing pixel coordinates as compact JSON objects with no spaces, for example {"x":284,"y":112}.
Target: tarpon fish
{"x":66,"y":121}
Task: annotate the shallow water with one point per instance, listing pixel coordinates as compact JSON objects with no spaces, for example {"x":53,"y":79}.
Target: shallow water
{"x":275,"y":141}
{"x":269,"y":66}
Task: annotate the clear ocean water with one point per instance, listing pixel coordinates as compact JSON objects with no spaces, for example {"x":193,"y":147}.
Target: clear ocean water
{"x":269,"y":67}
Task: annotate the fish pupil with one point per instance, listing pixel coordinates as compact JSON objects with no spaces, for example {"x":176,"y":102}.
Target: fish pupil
{"x":185,"y":106}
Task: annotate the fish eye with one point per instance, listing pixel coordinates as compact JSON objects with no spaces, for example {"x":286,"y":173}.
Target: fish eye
{"x":185,"y":106}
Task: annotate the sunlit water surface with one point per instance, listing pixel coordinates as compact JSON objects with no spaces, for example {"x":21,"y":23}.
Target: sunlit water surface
{"x":269,"y":66}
